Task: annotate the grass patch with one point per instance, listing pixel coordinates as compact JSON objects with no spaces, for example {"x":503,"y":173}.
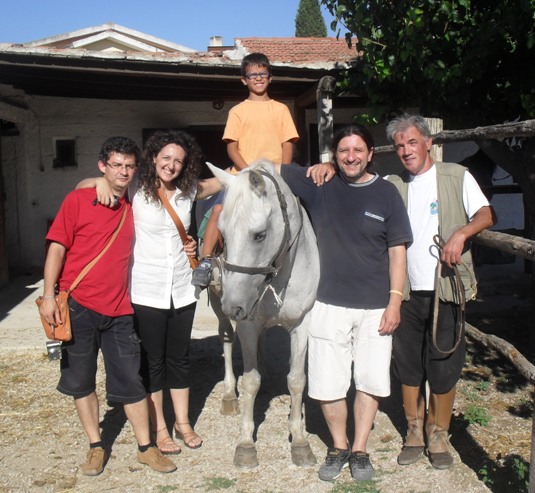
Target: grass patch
{"x":219,"y":484}
{"x":483,"y":386}
{"x":477,"y":415}
{"x":356,"y":487}
{"x":511,"y":475}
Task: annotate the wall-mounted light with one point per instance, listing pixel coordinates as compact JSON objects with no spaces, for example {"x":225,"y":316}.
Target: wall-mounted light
{"x":218,"y":104}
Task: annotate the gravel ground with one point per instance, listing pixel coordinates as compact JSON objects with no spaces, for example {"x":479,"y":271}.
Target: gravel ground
{"x":42,"y":443}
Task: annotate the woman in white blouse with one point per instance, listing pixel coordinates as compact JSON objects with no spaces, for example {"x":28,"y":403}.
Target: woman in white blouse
{"x":162,"y":295}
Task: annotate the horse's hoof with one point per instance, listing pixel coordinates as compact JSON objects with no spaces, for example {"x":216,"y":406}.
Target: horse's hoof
{"x":230,"y":407}
{"x":303,"y":456}
{"x":245,"y":457}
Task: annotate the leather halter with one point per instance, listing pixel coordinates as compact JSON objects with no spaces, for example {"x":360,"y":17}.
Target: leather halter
{"x":271,"y":270}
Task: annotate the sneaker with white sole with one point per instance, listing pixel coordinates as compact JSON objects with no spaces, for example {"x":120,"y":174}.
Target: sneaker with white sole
{"x":335,"y":461}
{"x":361,"y":467}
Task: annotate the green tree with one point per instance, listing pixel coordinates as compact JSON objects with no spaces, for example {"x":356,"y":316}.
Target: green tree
{"x":309,"y":20}
{"x":469,"y":62}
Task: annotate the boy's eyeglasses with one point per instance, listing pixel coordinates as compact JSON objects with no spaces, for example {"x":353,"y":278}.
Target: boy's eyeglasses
{"x":259,"y":75}
{"x":117,"y":166}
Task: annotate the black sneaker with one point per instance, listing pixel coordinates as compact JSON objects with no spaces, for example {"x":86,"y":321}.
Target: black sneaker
{"x":335,"y":461}
{"x":202,"y":275}
{"x":361,"y":467}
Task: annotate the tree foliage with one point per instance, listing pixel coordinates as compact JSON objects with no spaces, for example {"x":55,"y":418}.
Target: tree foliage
{"x":467,"y":61}
{"x":309,"y":20}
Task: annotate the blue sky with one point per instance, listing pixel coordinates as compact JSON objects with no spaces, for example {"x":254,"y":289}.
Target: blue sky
{"x":186,"y":22}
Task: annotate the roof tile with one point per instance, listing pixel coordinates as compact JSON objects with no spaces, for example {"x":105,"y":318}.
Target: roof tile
{"x":301,"y":50}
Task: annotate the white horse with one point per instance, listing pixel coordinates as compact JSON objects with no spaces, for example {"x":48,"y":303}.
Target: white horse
{"x":270,"y":273}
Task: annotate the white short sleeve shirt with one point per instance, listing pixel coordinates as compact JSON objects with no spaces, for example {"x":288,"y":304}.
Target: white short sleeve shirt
{"x":423,"y":208}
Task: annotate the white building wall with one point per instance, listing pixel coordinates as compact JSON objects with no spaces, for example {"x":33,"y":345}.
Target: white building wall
{"x":35,"y":190}
{"x":9,"y":168}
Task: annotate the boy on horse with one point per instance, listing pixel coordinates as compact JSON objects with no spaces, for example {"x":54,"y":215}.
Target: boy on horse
{"x":258,"y":127}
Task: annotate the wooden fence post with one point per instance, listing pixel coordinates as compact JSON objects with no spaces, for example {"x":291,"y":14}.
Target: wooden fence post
{"x":324,"y":96}
{"x":436,"y":125}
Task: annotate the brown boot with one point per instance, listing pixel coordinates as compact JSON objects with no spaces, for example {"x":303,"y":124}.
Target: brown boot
{"x":414,"y":405}
{"x":438,"y":423}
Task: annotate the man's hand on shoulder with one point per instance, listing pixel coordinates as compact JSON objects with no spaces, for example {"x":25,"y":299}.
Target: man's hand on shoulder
{"x":104,"y":193}
{"x":321,"y":173}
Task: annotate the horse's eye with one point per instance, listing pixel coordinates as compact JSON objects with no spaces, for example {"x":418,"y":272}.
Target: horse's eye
{"x":260,"y":236}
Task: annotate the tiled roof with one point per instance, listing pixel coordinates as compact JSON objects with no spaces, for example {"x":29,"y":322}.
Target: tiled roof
{"x":301,"y":50}
{"x":113,"y":42}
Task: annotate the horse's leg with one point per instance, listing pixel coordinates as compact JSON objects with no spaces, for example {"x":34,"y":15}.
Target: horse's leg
{"x":229,"y":403}
{"x":245,"y":455}
{"x":302,"y":454}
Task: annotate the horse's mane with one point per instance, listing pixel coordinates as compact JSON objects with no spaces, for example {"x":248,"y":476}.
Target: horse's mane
{"x":239,"y":196}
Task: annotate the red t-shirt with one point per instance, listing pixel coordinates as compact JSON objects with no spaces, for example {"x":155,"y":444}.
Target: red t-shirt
{"x":84,"y":230}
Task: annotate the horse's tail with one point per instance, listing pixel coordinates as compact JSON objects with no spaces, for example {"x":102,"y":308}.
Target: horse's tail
{"x":273,"y":353}
{"x":261,"y":354}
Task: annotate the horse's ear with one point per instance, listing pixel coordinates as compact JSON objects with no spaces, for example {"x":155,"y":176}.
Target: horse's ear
{"x":256,"y":180}
{"x":224,"y":178}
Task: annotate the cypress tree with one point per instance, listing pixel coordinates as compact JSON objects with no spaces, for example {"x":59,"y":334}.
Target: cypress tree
{"x":309,"y":20}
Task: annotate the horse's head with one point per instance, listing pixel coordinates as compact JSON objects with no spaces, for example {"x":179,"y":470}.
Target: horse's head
{"x":255,"y":227}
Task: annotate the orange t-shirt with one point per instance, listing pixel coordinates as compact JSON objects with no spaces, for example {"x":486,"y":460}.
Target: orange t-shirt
{"x":260,"y":128}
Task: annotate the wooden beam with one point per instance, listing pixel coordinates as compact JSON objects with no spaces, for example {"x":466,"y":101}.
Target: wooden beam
{"x":515,"y":245}
{"x":493,"y":132}
{"x":506,"y":349}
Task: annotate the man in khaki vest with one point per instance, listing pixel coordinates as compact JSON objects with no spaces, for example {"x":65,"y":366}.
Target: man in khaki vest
{"x":444,"y":199}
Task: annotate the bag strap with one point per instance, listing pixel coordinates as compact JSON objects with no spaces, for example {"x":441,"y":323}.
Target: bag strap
{"x":174,"y":217}
{"x":90,"y":265}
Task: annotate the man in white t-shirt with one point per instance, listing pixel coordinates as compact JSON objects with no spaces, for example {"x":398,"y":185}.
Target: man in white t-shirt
{"x":444,"y":199}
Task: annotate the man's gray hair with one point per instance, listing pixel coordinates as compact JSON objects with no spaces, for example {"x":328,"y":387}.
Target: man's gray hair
{"x":405,"y":121}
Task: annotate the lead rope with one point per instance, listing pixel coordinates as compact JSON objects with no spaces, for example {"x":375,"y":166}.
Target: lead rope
{"x":278,"y":299}
{"x":459,"y":288}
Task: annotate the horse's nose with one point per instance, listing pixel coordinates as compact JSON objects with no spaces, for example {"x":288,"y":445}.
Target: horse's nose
{"x":238,"y":313}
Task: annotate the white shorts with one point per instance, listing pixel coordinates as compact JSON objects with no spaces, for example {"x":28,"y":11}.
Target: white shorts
{"x":341,"y":336}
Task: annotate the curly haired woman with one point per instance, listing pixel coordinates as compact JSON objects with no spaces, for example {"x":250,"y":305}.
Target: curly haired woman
{"x":163,"y":297}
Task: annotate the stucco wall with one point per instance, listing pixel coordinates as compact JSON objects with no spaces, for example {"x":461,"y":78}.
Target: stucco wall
{"x":9,"y":160}
{"x":35,"y":189}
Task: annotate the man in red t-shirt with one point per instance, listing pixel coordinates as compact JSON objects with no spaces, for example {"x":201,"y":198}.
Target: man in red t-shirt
{"x":101,"y":313}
